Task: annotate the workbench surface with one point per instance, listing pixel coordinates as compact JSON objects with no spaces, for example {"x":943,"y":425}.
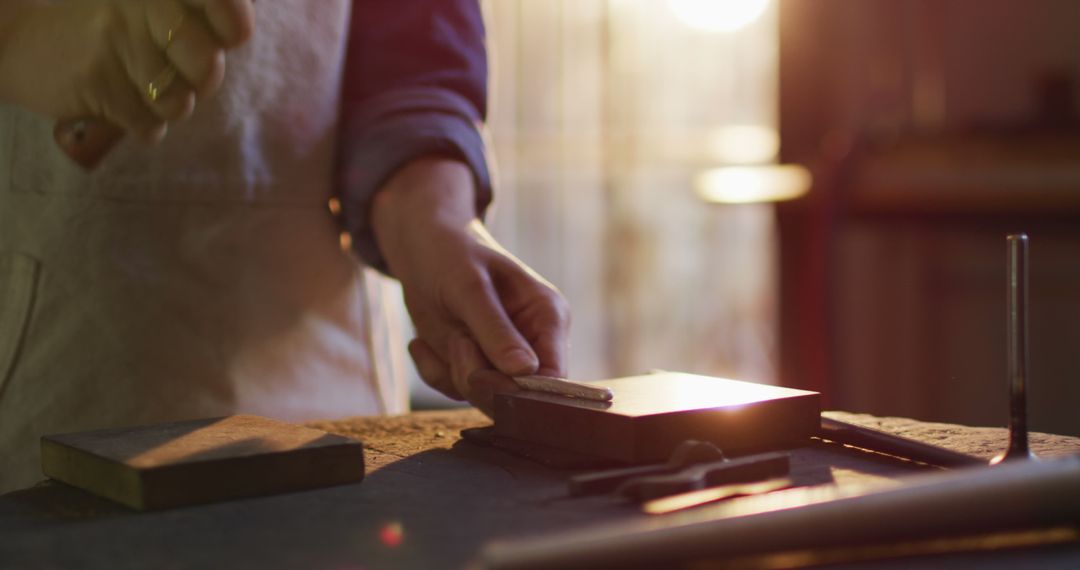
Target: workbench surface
{"x":430,"y":500}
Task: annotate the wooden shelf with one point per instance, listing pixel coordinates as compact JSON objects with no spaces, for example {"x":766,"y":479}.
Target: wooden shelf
{"x":1000,"y":174}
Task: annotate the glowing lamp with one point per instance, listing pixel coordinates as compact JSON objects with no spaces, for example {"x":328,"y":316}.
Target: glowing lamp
{"x":753,"y":184}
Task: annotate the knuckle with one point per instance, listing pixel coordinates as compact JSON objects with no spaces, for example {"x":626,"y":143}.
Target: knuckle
{"x":242,"y":23}
{"x":470,"y":278}
{"x":179,"y":107}
{"x":560,"y":308}
{"x":188,"y":107}
{"x":106,"y":19}
{"x":468,"y":283}
{"x":215,"y":61}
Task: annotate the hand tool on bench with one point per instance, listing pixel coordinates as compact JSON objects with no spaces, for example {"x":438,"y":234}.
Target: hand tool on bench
{"x":682,"y":501}
{"x":894,"y":445}
{"x":741,"y":470}
{"x":689,"y":452}
{"x":1015,"y":495}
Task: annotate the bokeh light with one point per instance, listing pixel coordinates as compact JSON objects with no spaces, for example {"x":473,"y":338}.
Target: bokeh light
{"x":718,"y":15}
{"x":753,"y":184}
{"x":392,"y":534}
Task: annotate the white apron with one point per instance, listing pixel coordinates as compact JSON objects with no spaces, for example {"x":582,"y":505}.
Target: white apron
{"x":200,"y":277}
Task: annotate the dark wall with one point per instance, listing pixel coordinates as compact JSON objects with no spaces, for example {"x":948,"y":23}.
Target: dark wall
{"x":934,"y":128}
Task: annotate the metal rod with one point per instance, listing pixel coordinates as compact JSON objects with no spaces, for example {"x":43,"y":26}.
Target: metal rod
{"x":889,"y":444}
{"x":1017,"y":248}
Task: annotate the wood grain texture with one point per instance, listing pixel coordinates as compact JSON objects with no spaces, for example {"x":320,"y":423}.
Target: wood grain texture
{"x":650,"y":415}
{"x":200,"y":461}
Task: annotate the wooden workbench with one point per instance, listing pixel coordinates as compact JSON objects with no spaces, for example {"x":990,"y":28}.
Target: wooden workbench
{"x":430,"y":500}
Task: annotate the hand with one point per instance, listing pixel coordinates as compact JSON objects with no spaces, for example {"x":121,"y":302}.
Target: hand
{"x":474,"y":304}
{"x":99,"y":58}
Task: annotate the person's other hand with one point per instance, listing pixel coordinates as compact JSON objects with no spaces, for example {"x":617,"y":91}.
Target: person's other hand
{"x":136,"y":64}
{"x":474,"y":305}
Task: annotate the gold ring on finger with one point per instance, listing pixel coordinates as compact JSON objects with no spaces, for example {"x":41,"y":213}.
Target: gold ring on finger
{"x":173,"y":31}
{"x":157,"y":86}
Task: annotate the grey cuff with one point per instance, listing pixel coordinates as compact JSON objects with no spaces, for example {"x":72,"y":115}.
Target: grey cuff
{"x":391,"y":130}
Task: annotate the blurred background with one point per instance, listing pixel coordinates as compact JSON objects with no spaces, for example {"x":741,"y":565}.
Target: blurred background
{"x":806,"y":193}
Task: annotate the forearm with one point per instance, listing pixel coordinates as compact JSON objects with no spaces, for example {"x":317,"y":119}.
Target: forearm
{"x":415,"y":87}
{"x":435,"y":193}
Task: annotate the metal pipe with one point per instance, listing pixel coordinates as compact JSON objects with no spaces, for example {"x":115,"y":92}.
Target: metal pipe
{"x":1017,"y":285}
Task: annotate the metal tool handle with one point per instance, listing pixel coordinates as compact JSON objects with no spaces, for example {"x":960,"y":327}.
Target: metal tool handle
{"x":1017,"y":286}
{"x":689,"y":452}
{"x":740,"y":470}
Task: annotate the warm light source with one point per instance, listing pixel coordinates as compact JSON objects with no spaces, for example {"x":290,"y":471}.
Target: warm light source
{"x":753,"y":184}
{"x":718,"y":15}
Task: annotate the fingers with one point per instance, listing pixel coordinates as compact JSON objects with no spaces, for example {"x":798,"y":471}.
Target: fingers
{"x":198,"y":57}
{"x":232,"y":21}
{"x":167,"y":60}
{"x":177,"y":103}
{"x":478,"y":305}
{"x":472,"y":375}
{"x":188,"y":43}
{"x":539,"y":311}
{"x":468,"y":375}
{"x":194,"y":35}
{"x":127,"y":109}
{"x":484,"y":384}
{"x":546,"y":324}
{"x":465,"y":358}
{"x":552,"y":351}
{"x":164,"y":91}
{"x":432,"y":369}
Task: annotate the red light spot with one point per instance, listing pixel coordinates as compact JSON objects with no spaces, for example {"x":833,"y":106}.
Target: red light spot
{"x":391,"y":534}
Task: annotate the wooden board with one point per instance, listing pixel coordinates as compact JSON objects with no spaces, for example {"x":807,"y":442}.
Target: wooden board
{"x":650,"y":415}
{"x":200,"y":461}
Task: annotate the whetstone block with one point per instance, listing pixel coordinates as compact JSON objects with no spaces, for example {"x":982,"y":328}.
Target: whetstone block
{"x":201,"y":461}
{"x":650,"y":415}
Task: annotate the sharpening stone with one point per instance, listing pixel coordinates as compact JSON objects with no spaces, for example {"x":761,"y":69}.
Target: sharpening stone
{"x":652,"y":414}
{"x":201,"y":461}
